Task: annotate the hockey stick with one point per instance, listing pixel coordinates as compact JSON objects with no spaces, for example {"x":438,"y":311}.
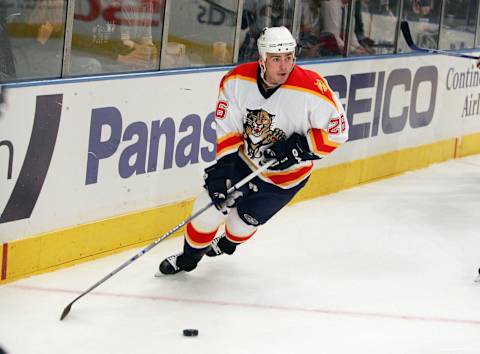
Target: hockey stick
{"x":237,"y":186}
{"x":408,"y":38}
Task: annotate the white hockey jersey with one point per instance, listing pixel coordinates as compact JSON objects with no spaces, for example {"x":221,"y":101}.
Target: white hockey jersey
{"x":248,"y":122}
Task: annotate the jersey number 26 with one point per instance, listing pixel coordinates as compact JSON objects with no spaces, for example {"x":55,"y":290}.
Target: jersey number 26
{"x":337,"y":125}
{"x":221,"y":110}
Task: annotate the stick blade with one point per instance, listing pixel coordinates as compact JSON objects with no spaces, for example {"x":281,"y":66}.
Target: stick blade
{"x":406,"y":33}
{"x":65,"y":312}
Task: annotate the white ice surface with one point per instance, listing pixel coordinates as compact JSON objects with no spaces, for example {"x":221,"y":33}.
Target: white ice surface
{"x":386,"y":267}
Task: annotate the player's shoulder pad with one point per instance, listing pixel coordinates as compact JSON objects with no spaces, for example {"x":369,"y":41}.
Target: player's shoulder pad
{"x":246,"y":71}
{"x":311,"y":82}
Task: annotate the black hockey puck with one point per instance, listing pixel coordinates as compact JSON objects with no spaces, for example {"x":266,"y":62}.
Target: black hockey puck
{"x":190,"y":332}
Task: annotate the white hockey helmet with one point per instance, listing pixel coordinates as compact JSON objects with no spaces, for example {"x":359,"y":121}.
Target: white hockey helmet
{"x":275,"y":40}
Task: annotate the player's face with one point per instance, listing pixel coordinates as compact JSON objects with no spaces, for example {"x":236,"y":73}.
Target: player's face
{"x":278,"y":67}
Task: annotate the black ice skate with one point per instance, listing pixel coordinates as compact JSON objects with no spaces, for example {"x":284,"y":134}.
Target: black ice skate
{"x":221,"y":245}
{"x":186,"y":261}
{"x":169,"y":266}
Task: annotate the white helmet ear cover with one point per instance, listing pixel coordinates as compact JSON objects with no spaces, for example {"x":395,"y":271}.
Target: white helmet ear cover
{"x":275,"y":40}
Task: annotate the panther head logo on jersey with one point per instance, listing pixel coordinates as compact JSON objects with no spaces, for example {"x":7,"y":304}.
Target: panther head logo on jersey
{"x":258,"y":122}
{"x":258,"y":131}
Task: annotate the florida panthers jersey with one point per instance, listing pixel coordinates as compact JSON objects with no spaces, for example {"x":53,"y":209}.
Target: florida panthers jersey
{"x":249,"y":122}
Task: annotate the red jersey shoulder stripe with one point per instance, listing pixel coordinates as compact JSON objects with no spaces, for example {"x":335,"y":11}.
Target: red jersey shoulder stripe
{"x":311,"y":82}
{"x":247,"y":71}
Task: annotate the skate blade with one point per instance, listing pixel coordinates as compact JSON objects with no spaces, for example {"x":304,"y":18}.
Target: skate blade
{"x":477,"y":280}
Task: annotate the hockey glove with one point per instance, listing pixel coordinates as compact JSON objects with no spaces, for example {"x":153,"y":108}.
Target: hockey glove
{"x":217,"y":181}
{"x":289,"y":152}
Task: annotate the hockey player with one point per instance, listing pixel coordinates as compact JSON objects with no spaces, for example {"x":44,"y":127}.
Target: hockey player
{"x":270,"y":109}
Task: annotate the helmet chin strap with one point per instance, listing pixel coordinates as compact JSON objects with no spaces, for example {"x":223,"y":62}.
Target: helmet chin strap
{"x":263,"y":70}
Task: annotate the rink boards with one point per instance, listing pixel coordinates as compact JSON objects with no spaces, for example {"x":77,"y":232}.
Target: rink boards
{"x":93,"y":166}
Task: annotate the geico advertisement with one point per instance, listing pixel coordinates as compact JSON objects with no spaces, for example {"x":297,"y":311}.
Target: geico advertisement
{"x":78,"y":152}
{"x":395,"y":103}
